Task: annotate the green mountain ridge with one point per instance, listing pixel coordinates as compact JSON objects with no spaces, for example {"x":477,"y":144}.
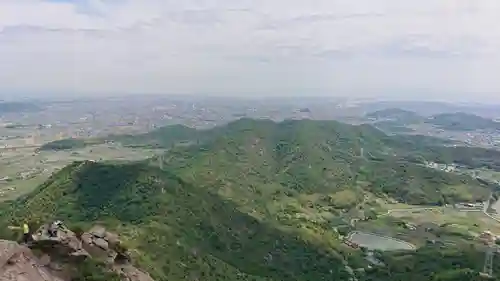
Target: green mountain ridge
{"x":313,"y":156}
{"x":396,"y":120}
{"x":316,"y":157}
{"x":396,"y":114}
{"x":460,"y":121}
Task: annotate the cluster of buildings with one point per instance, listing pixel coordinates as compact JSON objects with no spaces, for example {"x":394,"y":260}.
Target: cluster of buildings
{"x":443,"y":167}
{"x":470,"y":206}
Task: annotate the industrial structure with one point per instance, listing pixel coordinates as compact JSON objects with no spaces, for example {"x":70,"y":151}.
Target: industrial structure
{"x":489,"y":240}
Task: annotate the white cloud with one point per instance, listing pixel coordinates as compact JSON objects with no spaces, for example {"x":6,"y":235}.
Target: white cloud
{"x":249,"y":46}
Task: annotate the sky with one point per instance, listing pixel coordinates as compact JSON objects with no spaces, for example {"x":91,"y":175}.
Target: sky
{"x":423,"y":49}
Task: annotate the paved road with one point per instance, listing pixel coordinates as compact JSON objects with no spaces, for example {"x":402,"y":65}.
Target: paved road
{"x":410,"y":210}
{"x":485,"y":210}
{"x":19,"y":147}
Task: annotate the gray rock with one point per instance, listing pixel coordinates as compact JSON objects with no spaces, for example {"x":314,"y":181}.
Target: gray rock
{"x":111,"y":237}
{"x":19,"y":263}
{"x":101,"y":243}
{"x":87,"y":238}
{"x":131,"y":273}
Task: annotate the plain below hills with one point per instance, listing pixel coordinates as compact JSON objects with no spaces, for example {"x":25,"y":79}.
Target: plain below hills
{"x":16,"y":107}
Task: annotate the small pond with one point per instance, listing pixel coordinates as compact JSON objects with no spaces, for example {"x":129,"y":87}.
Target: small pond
{"x":378,"y":242}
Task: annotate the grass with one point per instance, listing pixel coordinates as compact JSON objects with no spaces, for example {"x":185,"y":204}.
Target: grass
{"x":472,"y":221}
{"x":21,"y":187}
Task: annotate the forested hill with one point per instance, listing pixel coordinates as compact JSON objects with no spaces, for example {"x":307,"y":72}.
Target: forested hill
{"x":324,"y":157}
{"x":176,"y":229}
{"x":396,"y":114}
{"x":456,"y":121}
{"x":460,"y":121}
{"x":313,"y":156}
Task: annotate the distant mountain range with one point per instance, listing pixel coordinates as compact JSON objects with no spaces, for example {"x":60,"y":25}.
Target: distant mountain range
{"x":427,"y":108}
{"x":396,"y":114}
{"x":458,"y":121}
{"x":462,"y":122}
{"x":8,"y":107}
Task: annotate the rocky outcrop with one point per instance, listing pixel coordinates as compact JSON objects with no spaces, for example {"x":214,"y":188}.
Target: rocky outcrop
{"x":101,"y":238}
{"x":101,"y":242}
{"x":18,"y":263}
{"x":131,"y":273}
{"x":64,"y":245}
{"x":60,"y":252}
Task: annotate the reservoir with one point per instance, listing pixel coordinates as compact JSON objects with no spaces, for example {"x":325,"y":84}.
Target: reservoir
{"x":378,"y":242}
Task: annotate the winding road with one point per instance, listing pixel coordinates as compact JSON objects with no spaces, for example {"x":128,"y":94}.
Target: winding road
{"x":484,"y":210}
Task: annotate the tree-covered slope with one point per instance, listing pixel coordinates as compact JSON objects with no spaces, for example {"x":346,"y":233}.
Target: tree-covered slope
{"x":460,"y":121}
{"x":178,"y":231}
{"x":398,"y":115}
{"x":325,"y":157}
{"x":312,"y":157}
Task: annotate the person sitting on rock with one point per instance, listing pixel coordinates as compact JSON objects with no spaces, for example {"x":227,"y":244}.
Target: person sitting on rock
{"x":53,"y":229}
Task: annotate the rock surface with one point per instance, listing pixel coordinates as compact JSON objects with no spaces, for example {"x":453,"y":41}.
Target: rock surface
{"x":130,"y":273}
{"x":17,"y":263}
{"x":65,"y":244}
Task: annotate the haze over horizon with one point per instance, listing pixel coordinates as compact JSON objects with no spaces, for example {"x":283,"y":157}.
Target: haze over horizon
{"x":420,"y":49}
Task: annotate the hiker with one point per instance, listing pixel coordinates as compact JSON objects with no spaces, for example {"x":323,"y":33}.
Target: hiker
{"x":26,"y":233}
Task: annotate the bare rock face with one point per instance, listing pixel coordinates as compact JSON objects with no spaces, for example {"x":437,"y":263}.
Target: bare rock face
{"x":118,"y":257}
{"x":17,"y":263}
{"x":131,"y":273}
{"x":65,"y":244}
{"x":100,"y":242}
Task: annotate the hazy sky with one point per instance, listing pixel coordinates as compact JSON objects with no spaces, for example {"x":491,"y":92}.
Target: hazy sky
{"x":422,"y":48}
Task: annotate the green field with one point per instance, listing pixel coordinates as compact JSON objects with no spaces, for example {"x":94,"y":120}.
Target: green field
{"x":26,"y":169}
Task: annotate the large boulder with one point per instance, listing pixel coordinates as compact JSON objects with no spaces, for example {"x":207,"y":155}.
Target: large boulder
{"x":64,"y":245}
{"x":61,"y":253}
{"x":102,"y":243}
